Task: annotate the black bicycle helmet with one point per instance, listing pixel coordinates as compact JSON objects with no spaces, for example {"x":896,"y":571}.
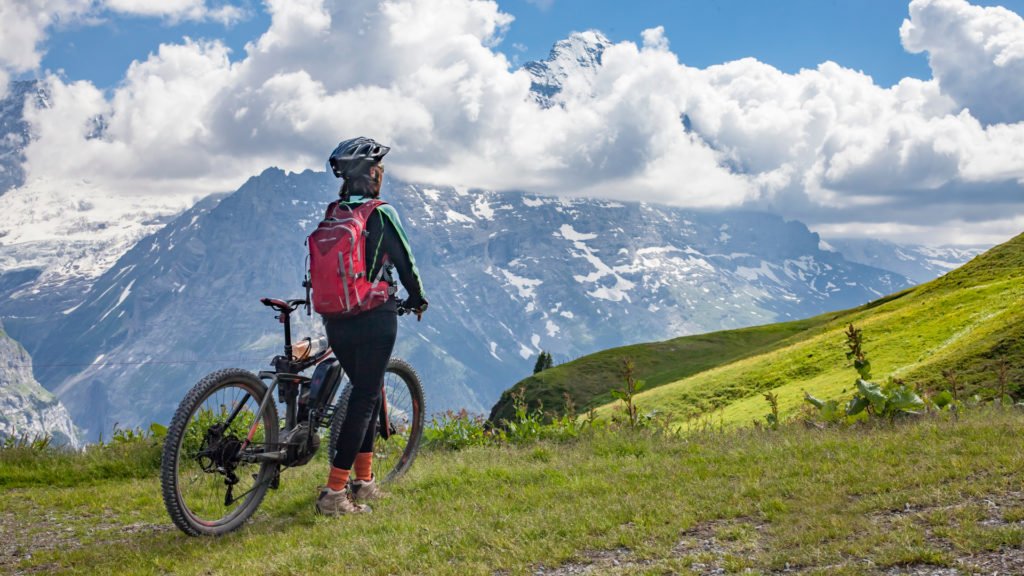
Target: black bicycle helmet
{"x":355,"y":156}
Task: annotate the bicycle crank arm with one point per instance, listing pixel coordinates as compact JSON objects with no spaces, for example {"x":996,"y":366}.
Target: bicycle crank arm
{"x":277,"y":456}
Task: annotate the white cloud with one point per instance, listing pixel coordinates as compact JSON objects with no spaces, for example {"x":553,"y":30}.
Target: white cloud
{"x":976,"y":54}
{"x":23,"y":27}
{"x":177,"y":10}
{"x":186,"y":9}
{"x":955,"y":231}
{"x":153,"y":130}
{"x":423,"y":76}
{"x":654,"y":38}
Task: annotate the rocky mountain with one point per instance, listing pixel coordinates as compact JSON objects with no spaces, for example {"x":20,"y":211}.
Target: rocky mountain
{"x":27,"y":410}
{"x":55,"y":243}
{"x":14,"y":132}
{"x":508,"y":275}
{"x":918,"y":263}
{"x":571,"y":65}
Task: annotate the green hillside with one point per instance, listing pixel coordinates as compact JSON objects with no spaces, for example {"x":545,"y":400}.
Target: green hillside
{"x":965,"y":321}
{"x":587,"y":380}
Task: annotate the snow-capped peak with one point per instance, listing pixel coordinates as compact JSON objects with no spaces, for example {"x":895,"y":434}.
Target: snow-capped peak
{"x":577,"y":58}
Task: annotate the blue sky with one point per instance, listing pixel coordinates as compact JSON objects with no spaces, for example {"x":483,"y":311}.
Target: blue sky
{"x":788,"y":34}
{"x":792,"y":34}
{"x":862,"y":118}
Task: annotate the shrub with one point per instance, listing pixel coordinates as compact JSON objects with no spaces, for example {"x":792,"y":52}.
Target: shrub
{"x":892,"y":400}
{"x":457,"y":430}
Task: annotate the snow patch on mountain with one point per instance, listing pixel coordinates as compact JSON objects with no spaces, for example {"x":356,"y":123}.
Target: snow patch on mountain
{"x":74,"y":233}
{"x":458,"y":218}
{"x":571,"y":67}
{"x":570,"y":234}
{"x":620,"y":288}
{"x":917,"y":262}
{"x":482,"y":209}
{"x":526,"y":287}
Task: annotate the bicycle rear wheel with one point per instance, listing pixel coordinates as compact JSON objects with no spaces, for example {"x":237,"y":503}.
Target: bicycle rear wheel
{"x":210,"y":481}
{"x":395,"y":448}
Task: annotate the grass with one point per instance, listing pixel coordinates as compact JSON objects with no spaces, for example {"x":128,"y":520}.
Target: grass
{"x":966,"y":321}
{"x":27,"y":465}
{"x":847,"y":500}
{"x":589,"y":380}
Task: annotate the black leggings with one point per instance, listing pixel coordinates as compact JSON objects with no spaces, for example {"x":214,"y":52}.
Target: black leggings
{"x":362,"y":344}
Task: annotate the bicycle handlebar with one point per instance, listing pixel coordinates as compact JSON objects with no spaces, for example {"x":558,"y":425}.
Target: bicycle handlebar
{"x":289,"y":306}
{"x":402,"y":311}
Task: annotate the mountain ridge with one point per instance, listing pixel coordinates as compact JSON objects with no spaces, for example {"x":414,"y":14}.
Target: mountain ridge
{"x":507,"y":274}
{"x":15,"y":131}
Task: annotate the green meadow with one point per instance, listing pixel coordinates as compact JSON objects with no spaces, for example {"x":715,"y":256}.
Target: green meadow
{"x":926,"y":494}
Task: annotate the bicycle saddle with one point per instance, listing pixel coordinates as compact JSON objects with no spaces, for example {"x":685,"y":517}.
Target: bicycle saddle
{"x":287,"y":307}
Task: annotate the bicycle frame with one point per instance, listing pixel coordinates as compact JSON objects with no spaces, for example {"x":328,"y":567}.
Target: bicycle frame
{"x":287,"y":380}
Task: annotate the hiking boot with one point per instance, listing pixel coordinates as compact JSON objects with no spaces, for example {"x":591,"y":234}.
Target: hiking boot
{"x":332,"y":503}
{"x":366,"y":490}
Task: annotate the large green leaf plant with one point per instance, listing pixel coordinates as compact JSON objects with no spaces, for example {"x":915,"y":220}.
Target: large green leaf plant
{"x":892,"y":400}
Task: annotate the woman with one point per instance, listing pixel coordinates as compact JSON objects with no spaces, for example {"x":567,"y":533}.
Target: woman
{"x":363,"y":343}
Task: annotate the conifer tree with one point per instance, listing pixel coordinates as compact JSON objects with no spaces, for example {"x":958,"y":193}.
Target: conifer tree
{"x":539,"y":366}
{"x":544,"y":361}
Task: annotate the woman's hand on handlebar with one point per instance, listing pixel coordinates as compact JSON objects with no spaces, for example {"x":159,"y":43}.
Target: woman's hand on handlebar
{"x":417,"y":308}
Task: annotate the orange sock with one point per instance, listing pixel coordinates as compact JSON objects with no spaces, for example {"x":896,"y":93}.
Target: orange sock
{"x":364,"y":466}
{"x":337,"y":479}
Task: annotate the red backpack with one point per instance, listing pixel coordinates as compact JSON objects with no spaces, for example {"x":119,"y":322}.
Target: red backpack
{"x":337,"y":263}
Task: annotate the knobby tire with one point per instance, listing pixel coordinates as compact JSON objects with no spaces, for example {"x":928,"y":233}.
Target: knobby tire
{"x":407,"y":410}
{"x":193,"y":418}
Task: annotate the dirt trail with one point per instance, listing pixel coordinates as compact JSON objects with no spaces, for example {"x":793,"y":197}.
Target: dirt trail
{"x":707,"y":548}
{"x":34,"y":530}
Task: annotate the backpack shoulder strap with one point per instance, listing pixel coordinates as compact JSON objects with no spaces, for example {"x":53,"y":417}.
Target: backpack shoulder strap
{"x":366,"y":208}
{"x":330,"y":210}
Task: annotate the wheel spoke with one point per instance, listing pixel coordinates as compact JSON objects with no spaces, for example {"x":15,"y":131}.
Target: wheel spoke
{"x":206,"y":465}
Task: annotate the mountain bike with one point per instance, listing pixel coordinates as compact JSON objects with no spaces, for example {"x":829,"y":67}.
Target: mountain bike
{"x":226,"y":445}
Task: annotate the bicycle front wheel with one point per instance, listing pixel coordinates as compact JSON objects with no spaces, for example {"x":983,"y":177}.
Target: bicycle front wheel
{"x":210,"y":476}
{"x":395,"y":448}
